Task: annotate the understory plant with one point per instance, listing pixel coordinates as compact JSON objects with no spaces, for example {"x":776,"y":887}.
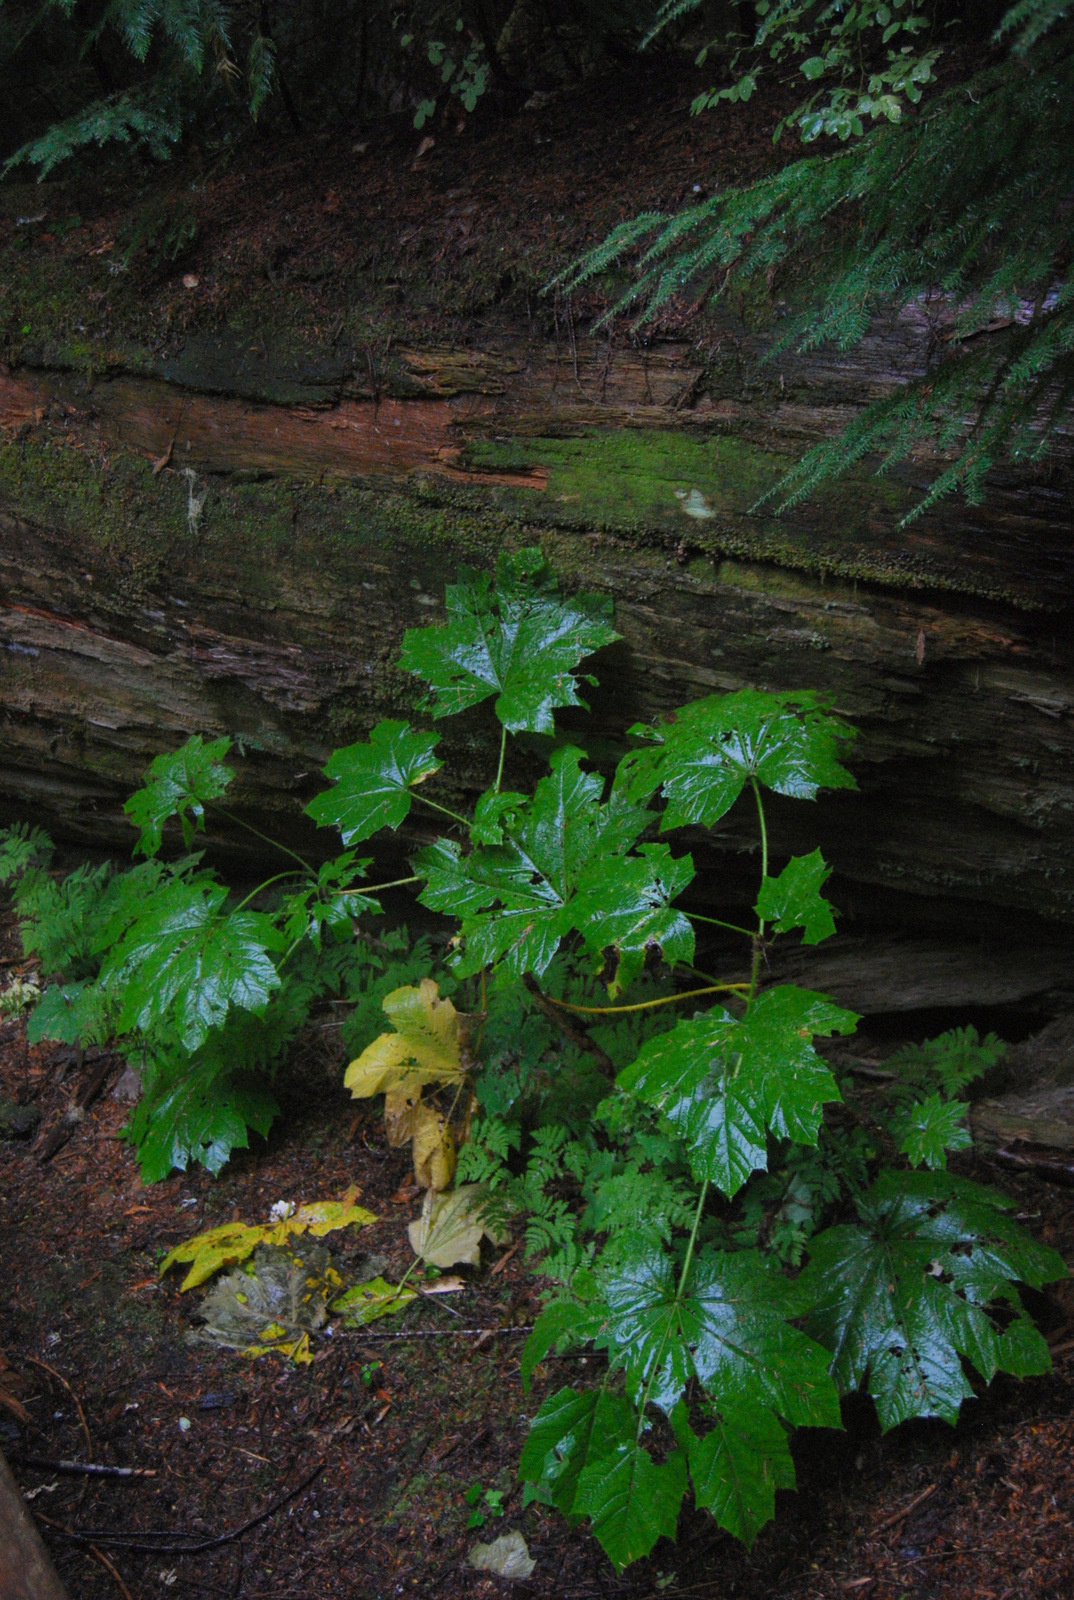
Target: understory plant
{"x":741,"y":1233}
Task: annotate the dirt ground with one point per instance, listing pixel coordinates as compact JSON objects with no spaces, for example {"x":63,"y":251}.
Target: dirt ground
{"x":257,"y":1480}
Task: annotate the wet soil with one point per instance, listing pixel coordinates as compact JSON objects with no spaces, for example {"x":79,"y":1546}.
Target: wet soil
{"x":257,"y":1480}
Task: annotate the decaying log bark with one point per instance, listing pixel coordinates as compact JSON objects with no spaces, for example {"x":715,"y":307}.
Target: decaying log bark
{"x":26,"y":1573}
{"x":229,"y":530}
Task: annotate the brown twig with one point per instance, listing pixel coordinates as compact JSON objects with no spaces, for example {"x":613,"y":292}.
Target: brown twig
{"x":899,"y":1516}
{"x":147,"y":1541}
{"x":103,"y":1559}
{"x":84,"y":1468}
{"x":37,"y":1362}
{"x":436,"y":1333}
{"x":571,"y":1030}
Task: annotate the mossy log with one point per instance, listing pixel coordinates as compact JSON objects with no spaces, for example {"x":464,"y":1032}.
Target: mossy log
{"x":228,"y":483}
{"x":232,"y":535}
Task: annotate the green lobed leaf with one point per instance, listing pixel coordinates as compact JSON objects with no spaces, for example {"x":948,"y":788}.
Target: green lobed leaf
{"x":631,"y":1499}
{"x":186,"y":962}
{"x":568,"y":1428}
{"x":551,"y":845}
{"x":623,"y":903}
{"x":725,"y":1083}
{"x":794,"y":900}
{"x":707,"y":753}
{"x":728,"y":1328}
{"x":373,"y":780}
{"x":202,"y":1117}
{"x":901,"y":1296}
{"x":515,"y":639}
{"x":928,"y":1130}
{"x":179,"y":785}
{"x":737,"y":1466}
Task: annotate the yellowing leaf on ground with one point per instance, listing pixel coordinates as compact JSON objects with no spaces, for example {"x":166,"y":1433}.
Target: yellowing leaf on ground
{"x":375,"y":1298}
{"x":297,"y":1350}
{"x":435,"y":1156}
{"x":508,"y":1556}
{"x":234,"y":1241}
{"x":451,"y":1226}
{"x":425,"y":1048}
{"x":271,"y":1305}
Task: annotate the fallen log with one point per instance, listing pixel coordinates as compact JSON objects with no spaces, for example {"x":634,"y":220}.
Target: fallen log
{"x":226,"y":528}
{"x":26,"y":1571}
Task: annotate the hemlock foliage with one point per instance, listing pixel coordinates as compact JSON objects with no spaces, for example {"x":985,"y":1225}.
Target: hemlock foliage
{"x":951,"y":201}
{"x":738,"y":1251}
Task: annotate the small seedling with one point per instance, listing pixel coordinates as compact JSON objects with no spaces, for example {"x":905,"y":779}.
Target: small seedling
{"x":486,"y":1503}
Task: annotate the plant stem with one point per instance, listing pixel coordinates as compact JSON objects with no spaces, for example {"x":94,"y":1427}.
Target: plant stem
{"x":645,"y":1005}
{"x":683,"y":1275}
{"x":267,"y":838}
{"x":758,"y":937}
{"x":261,"y":886}
{"x":375,"y":888}
{"x":499,"y":769}
{"x":444,"y":810}
{"x":696,"y":916}
{"x":692,"y":1240}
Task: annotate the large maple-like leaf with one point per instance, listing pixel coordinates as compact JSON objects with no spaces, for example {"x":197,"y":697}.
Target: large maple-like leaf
{"x":725,"y":1083}
{"x":737,"y":1465}
{"x":711,"y":749}
{"x":727,"y":1326}
{"x":515,"y":639}
{"x":922,"y":1280}
{"x":178,"y":784}
{"x":518,"y":899}
{"x":373,"y":780}
{"x":187,"y":962}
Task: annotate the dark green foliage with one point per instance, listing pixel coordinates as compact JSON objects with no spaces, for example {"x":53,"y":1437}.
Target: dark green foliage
{"x":518,"y":641}
{"x":706,"y":756}
{"x":901,"y":1295}
{"x":178,"y":785}
{"x":673,"y":1176}
{"x":725,"y":1083}
{"x":373,"y":780}
{"x":957,"y":203}
{"x":145,"y":73}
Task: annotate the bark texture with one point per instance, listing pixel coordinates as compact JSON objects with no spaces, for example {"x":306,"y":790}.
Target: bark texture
{"x":26,"y":1573}
{"x":222,"y":520}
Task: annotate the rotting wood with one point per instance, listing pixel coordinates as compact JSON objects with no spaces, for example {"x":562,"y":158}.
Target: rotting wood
{"x":26,"y":1571}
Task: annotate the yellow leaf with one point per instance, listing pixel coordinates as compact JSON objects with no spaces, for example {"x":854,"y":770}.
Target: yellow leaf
{"x":425,"y":1047}
{"x":399,"y":1108}
{"x":298,"y":1350}
{"x":451,"y":1226}
{"x":368,"y":1301}
{"x":234,"y":1241}
{"x":434,"y":1148}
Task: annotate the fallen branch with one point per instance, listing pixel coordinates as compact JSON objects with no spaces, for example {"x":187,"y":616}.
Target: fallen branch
{"x":899,"y":1516}
{"x":84,"y":1468}
{"x":152,"y":1542}
{"x":434,"y":1333}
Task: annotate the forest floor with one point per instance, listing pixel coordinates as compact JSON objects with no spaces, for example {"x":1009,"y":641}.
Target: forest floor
{"x":347,"y":1478}
{"x":261,"y":1480}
